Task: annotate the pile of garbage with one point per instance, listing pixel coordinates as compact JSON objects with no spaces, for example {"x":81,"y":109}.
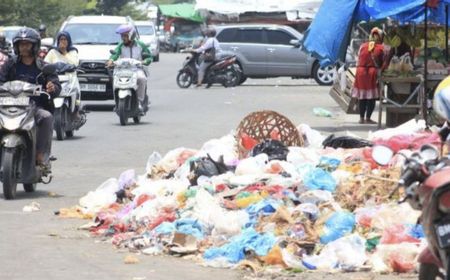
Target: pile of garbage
{"x":325,"y":206}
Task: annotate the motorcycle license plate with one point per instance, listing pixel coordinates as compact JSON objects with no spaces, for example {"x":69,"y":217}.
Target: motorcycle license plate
{"x":443,"y":234}
{"x":93,"y":87}
{"x":11,"y":101}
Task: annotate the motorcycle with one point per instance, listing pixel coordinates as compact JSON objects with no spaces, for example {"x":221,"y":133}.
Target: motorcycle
{"x":223,"y":71}
{"x":18,"y":136}
{"x":426,"y":178}
{"x":68,"y":104}
{"x":125,"y":90}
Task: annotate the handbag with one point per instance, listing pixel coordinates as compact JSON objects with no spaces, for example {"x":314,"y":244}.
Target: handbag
{"x":210,"y":54}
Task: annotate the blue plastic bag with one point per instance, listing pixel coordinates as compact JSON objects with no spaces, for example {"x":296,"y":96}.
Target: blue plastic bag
{"x":249,"y":239}
{"x":338,"y":225}
{"x":264,"y":207}
{"x":186,"y":226}
{"x":319,"y":179}
{"x":329,"y":164}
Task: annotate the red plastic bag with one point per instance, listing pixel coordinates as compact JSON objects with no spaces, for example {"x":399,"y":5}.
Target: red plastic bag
{"x":412,"y":141}
{"x":397,"y":234}
{"x":400,"y":263}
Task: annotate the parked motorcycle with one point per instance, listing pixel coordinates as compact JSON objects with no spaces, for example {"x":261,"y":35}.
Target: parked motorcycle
{"x":426,"y":178}
{"x":125,"y":90}
{"x":223,"y":71}
{"x":68,"y":103}
{"x":18,"y":136}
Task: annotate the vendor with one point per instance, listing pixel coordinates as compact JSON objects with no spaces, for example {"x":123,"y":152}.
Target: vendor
{"x":365,"y":88}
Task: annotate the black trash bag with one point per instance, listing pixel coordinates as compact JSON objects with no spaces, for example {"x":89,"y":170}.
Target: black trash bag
{"x":206,"y":166}
{"x":345,"y":142}
{"x":275,"y":149}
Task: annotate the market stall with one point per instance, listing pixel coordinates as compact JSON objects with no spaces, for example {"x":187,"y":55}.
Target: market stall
{"x":409,"y":82}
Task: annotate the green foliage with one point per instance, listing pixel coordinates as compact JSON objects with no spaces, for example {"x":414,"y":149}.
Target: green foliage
{"x":54,"y":12}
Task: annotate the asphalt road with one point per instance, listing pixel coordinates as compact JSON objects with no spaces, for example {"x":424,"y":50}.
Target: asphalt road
{"x":40,"y":245}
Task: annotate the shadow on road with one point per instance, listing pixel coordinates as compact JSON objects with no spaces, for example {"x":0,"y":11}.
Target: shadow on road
{"x":99,"y":107}
{"x":22,"y":195}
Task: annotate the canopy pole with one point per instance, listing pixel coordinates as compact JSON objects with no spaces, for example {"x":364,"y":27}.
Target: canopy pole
{"x":425,"y":75}
{"x":446,"y":32}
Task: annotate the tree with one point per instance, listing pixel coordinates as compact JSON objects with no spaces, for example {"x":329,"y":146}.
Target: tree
{"x":7,"y":12}
{"x":110,"y":7}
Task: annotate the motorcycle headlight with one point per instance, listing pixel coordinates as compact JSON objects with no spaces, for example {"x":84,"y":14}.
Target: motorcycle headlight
{"x":444,"y":202}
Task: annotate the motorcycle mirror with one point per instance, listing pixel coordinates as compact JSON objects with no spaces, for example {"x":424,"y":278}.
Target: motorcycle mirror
{"x":49,"y":69}
{"x":295,"y":43}
{"x":429,"y":153}
{"x":382,"y":154}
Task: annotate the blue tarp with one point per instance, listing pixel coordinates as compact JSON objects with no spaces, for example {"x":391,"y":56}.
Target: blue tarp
{"x":327,"y":36}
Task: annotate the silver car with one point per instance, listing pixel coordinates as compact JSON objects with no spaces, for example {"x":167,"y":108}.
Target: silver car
{"x":270,"y":50}
{"x":147,"y":33}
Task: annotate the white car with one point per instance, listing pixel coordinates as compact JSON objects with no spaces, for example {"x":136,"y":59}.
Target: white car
{"x":10,"y":31}
{"x":94,"y":37}
{"x":147,"y":33}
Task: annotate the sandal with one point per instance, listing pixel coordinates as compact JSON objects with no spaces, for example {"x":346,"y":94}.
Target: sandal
{"x":361,"y":121}
{"x":369,"y":121}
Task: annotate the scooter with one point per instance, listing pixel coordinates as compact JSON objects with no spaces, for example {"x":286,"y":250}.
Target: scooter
{"x":68,"y":104}
{"x":125,"y":90}
{"x":426,"y":178}
{"x":18,"y":136}
{"x":224,"y":71}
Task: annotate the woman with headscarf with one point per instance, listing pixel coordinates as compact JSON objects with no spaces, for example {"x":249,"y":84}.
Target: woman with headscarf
{"x":365,"y":88}
{"x":64,"y":51}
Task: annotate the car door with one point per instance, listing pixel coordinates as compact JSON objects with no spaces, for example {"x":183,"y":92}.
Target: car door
{"x":248,"y":44}
{"x":283,"y":58}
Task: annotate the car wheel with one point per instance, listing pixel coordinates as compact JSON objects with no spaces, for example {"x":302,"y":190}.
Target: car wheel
{"x":324,"y":76}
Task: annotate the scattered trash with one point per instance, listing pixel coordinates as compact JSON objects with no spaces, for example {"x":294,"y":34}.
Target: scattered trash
{"x":32,"y":207}
{"x":263,"y":205}
{"x":321,"y":112}
{"x":131,"y":259}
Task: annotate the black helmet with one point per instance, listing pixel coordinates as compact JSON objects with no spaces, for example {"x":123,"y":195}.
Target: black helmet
{"x":29,"y":35}
{"x":42,"y":28}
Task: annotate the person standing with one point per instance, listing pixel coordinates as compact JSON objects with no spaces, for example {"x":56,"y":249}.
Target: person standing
{"x":365,"y":88}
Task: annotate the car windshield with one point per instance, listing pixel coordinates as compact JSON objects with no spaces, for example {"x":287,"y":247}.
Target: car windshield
{"x":9,"y":34}
{"x":98,"y":34}
{"x":145,"y":30}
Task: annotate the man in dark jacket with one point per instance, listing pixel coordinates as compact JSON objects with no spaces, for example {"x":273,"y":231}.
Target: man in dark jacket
{"x":25,"y":66}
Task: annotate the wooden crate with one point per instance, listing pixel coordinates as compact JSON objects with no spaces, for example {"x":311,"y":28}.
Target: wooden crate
{"x":344,"y":98}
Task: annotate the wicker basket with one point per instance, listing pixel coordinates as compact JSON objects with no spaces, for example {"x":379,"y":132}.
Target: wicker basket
{"x":261,"y":124}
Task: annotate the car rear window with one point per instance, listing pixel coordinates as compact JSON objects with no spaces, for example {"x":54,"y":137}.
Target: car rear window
{"x":278,"y":37}
{"x":249,"y":36}
{"x":98,"y":34}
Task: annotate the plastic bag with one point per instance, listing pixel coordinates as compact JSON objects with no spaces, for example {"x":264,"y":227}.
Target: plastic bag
{"x":152,"y":160}
{"x":342,"y":72}
{"x":252,"y":165}
{"x":313,"y":138}
{"x":345,"y":142}
{"x":398,"y":234}
{"x":274,"y":149}
{"x":321,"y":112}
{"x":319,"y":179}
{"x":316,"y":197}
{"x":249,"y":239}
{"x":127,"y":179}
{"x":104,"y":195}
{"x":338,"y":225}
{"x":206,"y":166}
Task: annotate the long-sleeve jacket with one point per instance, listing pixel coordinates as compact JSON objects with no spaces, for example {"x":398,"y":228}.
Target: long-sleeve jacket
{"x":70,"y":57}
{"x":136,"y":51}
{"x":9,"y":71}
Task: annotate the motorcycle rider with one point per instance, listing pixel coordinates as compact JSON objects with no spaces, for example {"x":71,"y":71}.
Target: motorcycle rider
{"x":4,"y":45}
{"x":43,"y":31}
{"x":64,"y":51}
{"x":130,"y":47}
{"x":67,"y":53}
{"x":26,"y":66}
{"x":210,"y":43}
